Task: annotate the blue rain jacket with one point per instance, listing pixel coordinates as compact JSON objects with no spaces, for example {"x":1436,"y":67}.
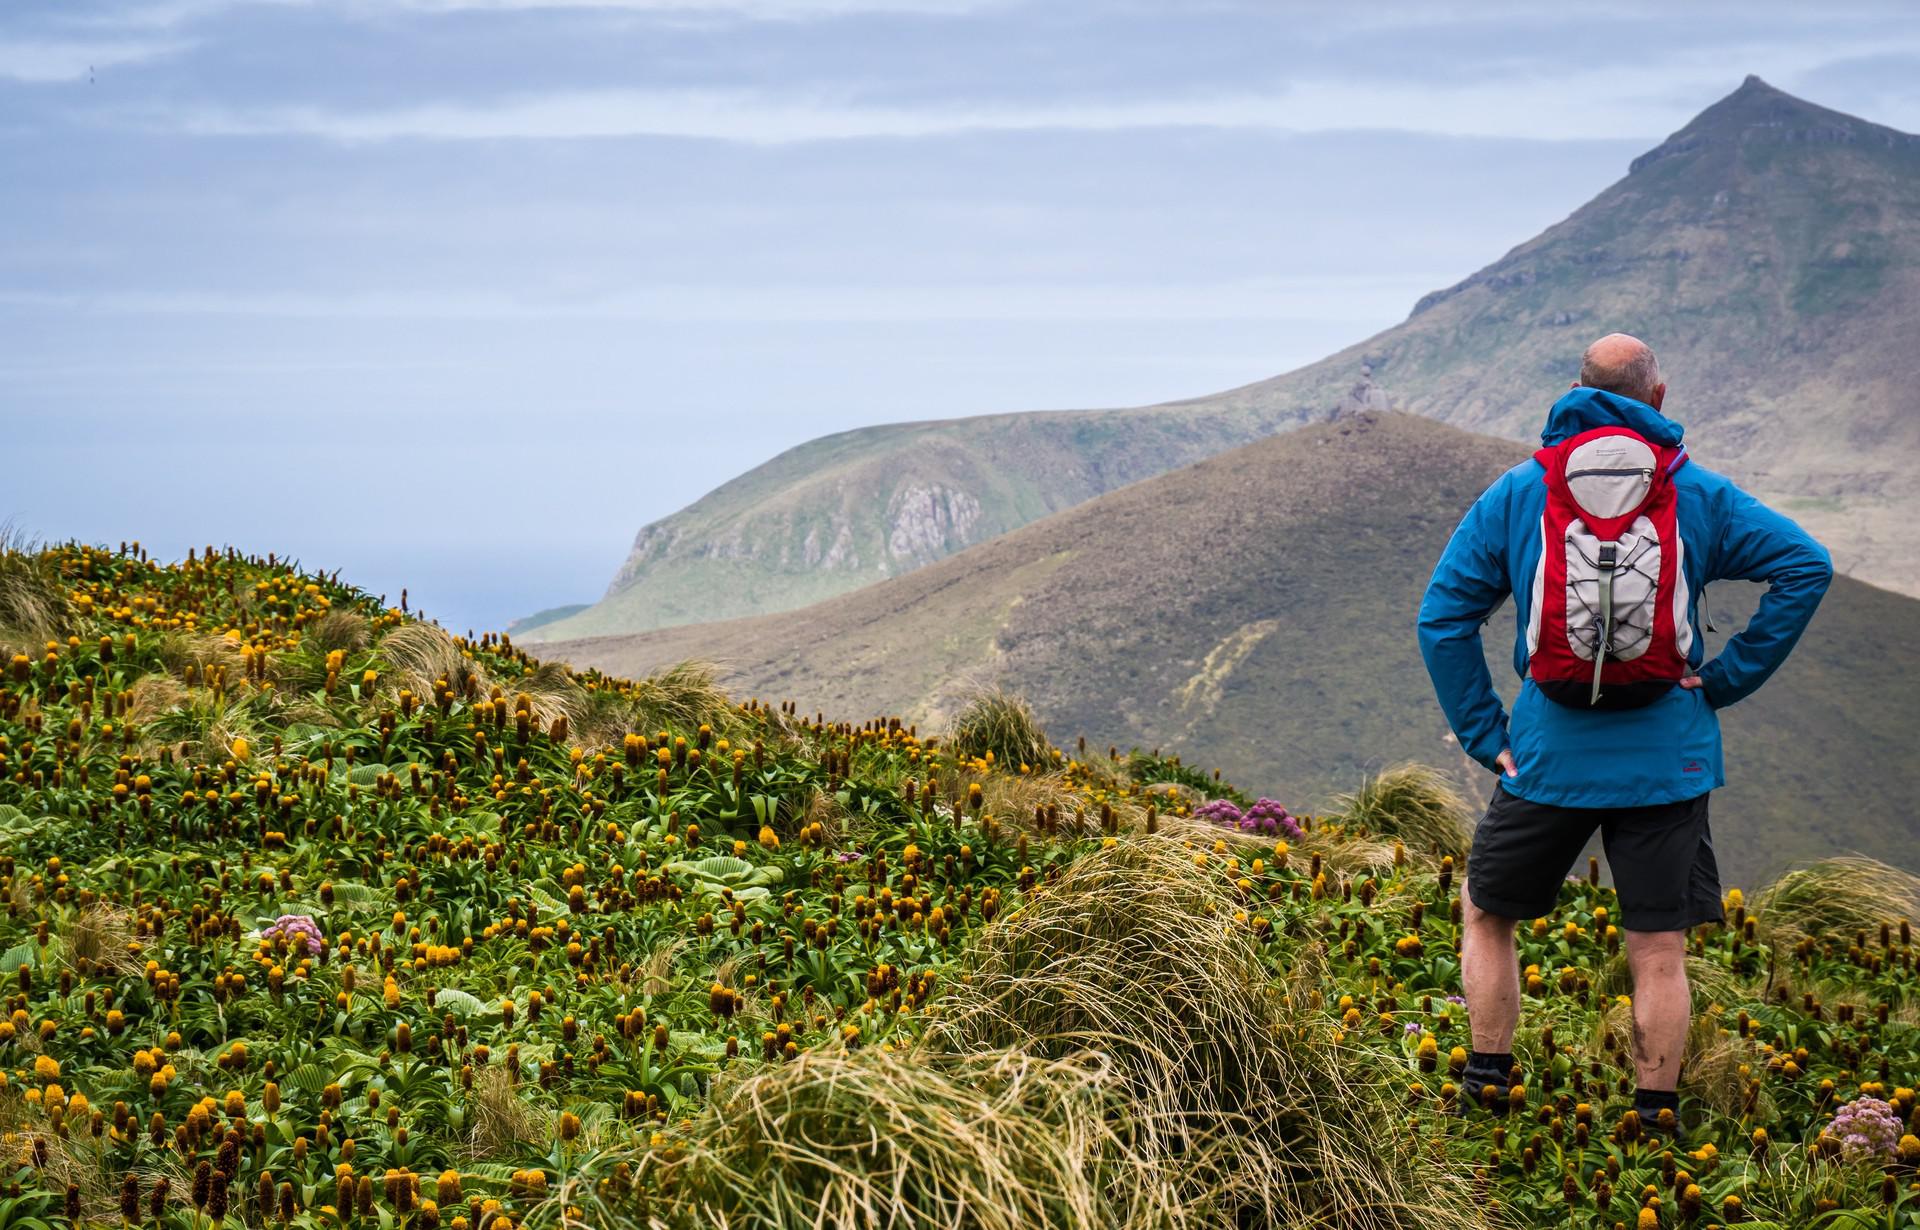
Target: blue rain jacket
{"x":1669,"y":750}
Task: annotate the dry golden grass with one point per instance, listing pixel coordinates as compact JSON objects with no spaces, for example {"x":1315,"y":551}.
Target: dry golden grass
{"x":1013,"y":798}
{"x":1239,"y":1101}
{"x":1711,"y":1069}
{"x":1411,"y":803}
{"x":656,"y":972}
{"x":993,"y":721}
{"x":100,"y":933}
{"x":553,"y":694}
{"x":344,"y":630}
{"x":200,"y":650}
{"x":990,"y":1141}
{"x":34,"y":605}
{"x":420,"y":654}
{"x":153,"y":695}
{"x":1834,"y":897}
{"x":503,"y":1123}
{"x":685,"y":696}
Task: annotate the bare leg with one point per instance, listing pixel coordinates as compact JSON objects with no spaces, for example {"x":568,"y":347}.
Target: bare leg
{"x":1662,"y":1005}
{"x":1490,"y":976}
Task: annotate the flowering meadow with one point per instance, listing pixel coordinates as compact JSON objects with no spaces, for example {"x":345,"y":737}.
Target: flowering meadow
{"x":317,"y":916}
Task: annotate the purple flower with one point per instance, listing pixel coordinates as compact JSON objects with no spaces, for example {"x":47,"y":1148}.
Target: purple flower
{"x":296,"y":929}
{"x":1265,"y":817}
{"x":1459,"y":1000}
{"x":1411,"y":1028}
{"x":846,"y":856}
{"x":1868,"y":1129}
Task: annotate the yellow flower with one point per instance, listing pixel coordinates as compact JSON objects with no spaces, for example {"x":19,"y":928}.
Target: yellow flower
{"x":46,"y":1069}
{"x":240,"y":749}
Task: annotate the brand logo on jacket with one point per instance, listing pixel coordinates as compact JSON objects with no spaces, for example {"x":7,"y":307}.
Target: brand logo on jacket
{"x":1692,"y":766}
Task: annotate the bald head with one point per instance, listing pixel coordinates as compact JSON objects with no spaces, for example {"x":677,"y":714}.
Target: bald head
{"x":1621,"y":363}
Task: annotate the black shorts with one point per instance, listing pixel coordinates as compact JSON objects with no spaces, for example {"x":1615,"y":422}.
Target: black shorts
{"x":1661,"y":858}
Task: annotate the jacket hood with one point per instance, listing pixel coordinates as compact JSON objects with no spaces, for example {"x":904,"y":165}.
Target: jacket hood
{"x":1583,"y":409}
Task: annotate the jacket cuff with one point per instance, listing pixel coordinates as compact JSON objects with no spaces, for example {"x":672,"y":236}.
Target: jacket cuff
{"x":1485,"y":748}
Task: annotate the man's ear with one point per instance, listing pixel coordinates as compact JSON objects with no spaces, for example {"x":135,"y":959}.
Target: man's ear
{"x":1574,"y":385}
{"x":1659,"y":395}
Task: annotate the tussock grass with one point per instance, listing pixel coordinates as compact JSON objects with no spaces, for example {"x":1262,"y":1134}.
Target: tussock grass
{"x":685,"y":696}
{"x":205,"y":725}
{"x":343,"y":630}
{"x":1834,"y":896}
{"x":34,"y":606}
{"x":994,"y":1141}
{"x":554,"y":695}
{"x":100,"y":933}
{"x":1413,"y":803}
{"x":152,"y":695}
{"x":1238,"y":1100}
{"x":1711,"y":1070}
{"x":504,"y":1123}
{"x":1012,"y":798}
{"x":834,"y":819}
{"x":420,"y":654}
{"x":602,"y":719}
{"x":995,"y":720}
{"x":200,"y":650}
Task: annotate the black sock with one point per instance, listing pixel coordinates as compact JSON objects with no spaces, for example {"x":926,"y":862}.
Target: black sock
{"x":1650,"y":1102}
{"x":1490,"y":1063}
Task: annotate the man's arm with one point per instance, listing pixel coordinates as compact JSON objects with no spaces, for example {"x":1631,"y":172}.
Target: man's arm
{"x":1761,"y":545}
{"x":1468,"y":584}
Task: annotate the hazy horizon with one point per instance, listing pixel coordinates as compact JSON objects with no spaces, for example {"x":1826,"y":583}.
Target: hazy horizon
{"x":458,"y":294}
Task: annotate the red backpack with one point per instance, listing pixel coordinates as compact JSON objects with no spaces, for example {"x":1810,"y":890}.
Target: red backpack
{"x":1608,"y":625}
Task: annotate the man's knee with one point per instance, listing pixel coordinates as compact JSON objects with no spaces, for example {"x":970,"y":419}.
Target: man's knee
{"x":1654,"y":953}
{"x":1473,"y":916}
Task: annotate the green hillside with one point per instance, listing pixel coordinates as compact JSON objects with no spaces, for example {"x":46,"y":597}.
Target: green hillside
{"x":1769,"y":251}
{"x":1257,"y":609}
{"x":320,"y":918}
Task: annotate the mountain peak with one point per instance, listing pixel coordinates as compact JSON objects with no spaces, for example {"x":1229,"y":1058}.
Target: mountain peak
{"x":1758,"y":112}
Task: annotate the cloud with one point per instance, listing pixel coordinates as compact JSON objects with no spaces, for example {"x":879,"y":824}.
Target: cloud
{"x":768,"y":119}
{"x":160,"y":14}
{"x":54,"y":60}
{"x":1568,"y":103}
{"x":1293,"y":297}
{"x":772,"y":10}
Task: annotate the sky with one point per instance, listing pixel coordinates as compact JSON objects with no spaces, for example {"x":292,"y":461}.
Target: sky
{"x":457,"y":295}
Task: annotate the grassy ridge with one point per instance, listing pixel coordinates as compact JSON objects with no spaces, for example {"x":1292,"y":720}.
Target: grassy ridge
{"x":1257,"y":610}
{"x":319,"y":917}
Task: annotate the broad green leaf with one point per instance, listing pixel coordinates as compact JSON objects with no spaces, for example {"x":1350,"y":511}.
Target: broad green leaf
{"x":454,"y":1000}
{"x":309,"y":1078}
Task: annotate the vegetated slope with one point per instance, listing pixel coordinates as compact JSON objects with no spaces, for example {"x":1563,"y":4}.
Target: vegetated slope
{"x":354,"y":923}
{"x":1256,"y":612}
{"x":1768,"y":251}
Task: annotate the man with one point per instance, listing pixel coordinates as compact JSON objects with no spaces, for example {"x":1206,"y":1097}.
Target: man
{"x":1640,"y":775}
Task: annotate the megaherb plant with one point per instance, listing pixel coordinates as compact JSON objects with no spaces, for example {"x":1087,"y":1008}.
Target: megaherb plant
{"x":318,"y":916}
